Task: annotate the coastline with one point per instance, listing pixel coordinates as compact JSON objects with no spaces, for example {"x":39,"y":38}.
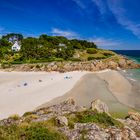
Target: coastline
{"x":103,"y":86}
{"x":46,"y":89}
{"x":115,"y":62}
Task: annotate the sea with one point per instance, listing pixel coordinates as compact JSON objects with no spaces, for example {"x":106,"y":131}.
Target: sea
{"x":133,"y":74}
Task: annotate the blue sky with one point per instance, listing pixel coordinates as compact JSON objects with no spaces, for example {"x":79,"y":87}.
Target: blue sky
{"x":111,"y":24}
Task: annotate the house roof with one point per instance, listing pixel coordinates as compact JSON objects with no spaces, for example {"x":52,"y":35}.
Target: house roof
{"x":16,"y":45}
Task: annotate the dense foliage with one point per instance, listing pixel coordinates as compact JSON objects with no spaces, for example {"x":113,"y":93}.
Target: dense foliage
{"x":45,"y":48}
{"x":42,"y":48}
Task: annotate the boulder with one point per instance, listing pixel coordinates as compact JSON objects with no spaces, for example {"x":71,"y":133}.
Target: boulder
{"x":99,"y":106}
{"x":62,"y":120}
{"x":122,"y":134}
{"x":122,"y":63}
{"x":134,"y":116}
{"x":70,"y":101}
{"x":128,"y":134}
{"x":112,"y":65}
{"x":64,"y":107}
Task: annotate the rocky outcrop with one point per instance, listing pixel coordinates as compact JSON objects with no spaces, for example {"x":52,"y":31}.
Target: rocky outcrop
{"x":99,"y":106}
{"x":134,"y":116}
{"x":86,"y":131}
{"x":132,"y":121}
{"x":61,"y":114}
{"x":94,"y":65}
{"x":91,"y":131}
{"x":62,"y":120}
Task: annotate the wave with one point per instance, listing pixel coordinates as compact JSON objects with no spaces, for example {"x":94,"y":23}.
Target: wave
{"x":132,"y":79}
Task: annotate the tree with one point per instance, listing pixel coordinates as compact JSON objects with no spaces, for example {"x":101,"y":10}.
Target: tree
{"x":4,"y":43}
{"x":62,"y":39}
{"x":32,"y":48}
{"x":50,"y":39}
{"x":12,"y":37}
{"x":29,"y":48}
{"x":4,"y":48}
{"x":82,"y":44}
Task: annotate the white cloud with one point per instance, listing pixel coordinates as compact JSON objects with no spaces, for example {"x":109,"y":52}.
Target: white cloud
{"x":101,"y":6}
{"x":102,"y":42}
{"x":66,"y":33}
{"x":119,"y":12}
{"x":122,"y":18}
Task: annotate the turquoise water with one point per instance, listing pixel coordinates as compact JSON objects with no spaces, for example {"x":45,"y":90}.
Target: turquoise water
{"x":133,"y":76}
{"x":135,"y":56}
{"x":135,"y":73}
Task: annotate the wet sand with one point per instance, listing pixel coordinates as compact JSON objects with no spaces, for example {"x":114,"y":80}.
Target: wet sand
{"x":110,"y":87}
{"x":44,"y":89}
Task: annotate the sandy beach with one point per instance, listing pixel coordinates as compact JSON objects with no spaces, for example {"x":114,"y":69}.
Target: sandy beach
{"x":25,"y":91}
{"x":109,"y":86}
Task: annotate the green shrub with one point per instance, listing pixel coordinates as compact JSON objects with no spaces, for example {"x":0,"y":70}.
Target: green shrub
{"x":98,"y":118}
{"x":31,"y":117}
{"x":91,"y":58}
{"x":40,"y":132}
{"x":91,"y":51}
{"x":94,"y":117}
{"x":27,"y":114}
{"x":74,"y":59}
{"x":5,"y":65}
{"x":34,"y":131}
{"x":107,"y":54}
{"x":15,"y":117}
{"x":17,"y":62}
{"x":96,"y":58}
{"x":101,"y":118}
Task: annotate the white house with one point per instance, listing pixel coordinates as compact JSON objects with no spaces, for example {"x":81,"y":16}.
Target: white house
{"x":61,"y":45}
{"x":16,"y":47}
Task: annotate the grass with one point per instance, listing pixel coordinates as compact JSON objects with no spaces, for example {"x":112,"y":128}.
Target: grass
{"x":47,"y":130}
{"x":34,"y":131}
{"x":90,"y":116}
{"x":15,"y":117}
{"x":124,"y":113}
{"x":92,"y":51}
{"x":31,"y":117}
{"x":120,"y":115}
{"x":95,"y":54}
{"x":27,"y":114}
